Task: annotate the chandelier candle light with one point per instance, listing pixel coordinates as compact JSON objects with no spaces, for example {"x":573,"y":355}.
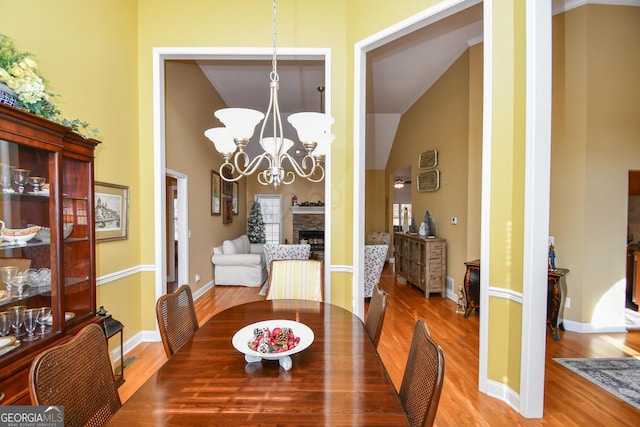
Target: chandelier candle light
{"x":239,"y":124}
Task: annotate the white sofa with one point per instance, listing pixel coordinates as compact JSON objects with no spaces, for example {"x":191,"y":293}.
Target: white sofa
{"x":240,"y":263}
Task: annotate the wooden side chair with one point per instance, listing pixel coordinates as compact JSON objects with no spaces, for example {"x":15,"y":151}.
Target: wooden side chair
{"x":375,"y":315}
{"x":296,"y":279}
{"x":77,"y":375}
{"x":177,"y":319}
{"x":423,"y":378}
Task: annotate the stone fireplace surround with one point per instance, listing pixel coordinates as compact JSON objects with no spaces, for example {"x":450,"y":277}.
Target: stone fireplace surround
{"x":309,"y":219}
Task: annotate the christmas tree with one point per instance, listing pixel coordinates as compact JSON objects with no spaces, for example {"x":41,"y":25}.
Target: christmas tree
{"x":256,"y":224}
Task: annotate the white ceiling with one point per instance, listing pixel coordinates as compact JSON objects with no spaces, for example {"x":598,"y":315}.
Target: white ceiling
{"x":398,"y":74}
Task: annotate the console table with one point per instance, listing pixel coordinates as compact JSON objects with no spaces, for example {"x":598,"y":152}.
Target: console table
{"x":422,"y":261}
{"x":556,"y":295}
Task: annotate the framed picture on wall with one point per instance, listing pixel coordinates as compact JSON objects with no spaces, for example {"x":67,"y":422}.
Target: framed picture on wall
{"x":226,"y":185}
{"x":227,"y":210}
{"x":234,"y":198}
{"x":111,"y":211}
{"x":216,"y":204}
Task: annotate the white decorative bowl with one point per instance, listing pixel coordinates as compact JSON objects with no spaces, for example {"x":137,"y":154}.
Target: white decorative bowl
{"x":244,"y":336}
{"x":18,"y":236}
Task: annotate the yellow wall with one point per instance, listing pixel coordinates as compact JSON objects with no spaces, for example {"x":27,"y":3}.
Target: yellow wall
{"x":507,"y":191}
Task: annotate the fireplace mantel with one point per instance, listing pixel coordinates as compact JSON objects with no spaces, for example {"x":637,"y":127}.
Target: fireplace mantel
{"x":307,"y":210}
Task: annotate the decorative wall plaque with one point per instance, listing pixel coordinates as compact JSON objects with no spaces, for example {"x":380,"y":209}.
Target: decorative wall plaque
{"x":428,"y":159}
{"x":429,"y":180}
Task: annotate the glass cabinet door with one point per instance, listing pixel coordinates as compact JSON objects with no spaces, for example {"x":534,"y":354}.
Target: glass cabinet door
{"x":77,"y":249}
{"x":27,"y":272}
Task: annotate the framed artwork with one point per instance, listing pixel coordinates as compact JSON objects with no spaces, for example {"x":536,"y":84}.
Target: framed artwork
{"x":216,"y":205}
{"x":226,"y":185}
{"x":111,"y":211}
{"x":227,"y":210}
{"x":234,"y":197}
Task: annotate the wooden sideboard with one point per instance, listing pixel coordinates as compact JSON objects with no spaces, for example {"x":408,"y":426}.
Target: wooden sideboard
{"x":422,"y":261}
{"x":556,"y":295}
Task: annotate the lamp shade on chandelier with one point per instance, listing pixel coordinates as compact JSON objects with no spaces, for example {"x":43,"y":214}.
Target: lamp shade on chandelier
{"x":274,"y":166}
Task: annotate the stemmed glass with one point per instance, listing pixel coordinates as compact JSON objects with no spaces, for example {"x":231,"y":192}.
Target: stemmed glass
{"x":36,"y":182}
{"x":30,"y":323}
{"x":17,"y":319}
{"x":44,"y":316}
{"x":6,"y":174}
{"x":6,"y":275}
{"x":5,"y":323}
{"x":20,"y":280}
{"x":21,"y":178}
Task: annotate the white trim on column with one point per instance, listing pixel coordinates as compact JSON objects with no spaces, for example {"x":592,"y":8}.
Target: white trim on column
{"x":485,"y":215}
{"x":536,"y":209}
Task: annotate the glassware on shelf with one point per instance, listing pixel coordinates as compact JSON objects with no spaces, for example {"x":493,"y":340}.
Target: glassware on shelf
{"x":20,"y":281}
{"x":43,"y":319}
{"x":21,"y":178}
{"x":30,"y":323}
{"x":6,"y":275}
{"x":36,"y":182}
{"x":5,"y":323}
{"x":17,"y":319}
{"x":6,"y":177}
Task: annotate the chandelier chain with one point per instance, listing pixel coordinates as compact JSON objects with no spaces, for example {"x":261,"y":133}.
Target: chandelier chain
{"x":274,"y":65}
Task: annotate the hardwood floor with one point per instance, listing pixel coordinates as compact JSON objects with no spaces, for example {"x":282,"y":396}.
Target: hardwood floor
{"x":570,"y":400}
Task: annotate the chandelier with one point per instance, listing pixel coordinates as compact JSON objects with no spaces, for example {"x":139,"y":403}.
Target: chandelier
{"x":239,"y":125}
{"x":398,"y":183}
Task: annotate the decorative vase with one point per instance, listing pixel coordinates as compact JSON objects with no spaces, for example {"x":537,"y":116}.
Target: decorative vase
{"x":8,"y":96}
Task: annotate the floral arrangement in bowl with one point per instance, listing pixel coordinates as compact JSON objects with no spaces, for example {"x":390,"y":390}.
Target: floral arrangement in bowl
{"x":19,"y":71}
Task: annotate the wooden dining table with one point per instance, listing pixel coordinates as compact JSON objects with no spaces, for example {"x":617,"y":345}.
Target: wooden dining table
{"x":338,"y":380}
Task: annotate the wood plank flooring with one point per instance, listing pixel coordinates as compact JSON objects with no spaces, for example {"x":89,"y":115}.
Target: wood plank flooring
{"x":570,"y":400}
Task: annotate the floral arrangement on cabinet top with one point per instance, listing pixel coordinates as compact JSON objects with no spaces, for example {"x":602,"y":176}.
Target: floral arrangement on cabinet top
{"x":19,"y":72}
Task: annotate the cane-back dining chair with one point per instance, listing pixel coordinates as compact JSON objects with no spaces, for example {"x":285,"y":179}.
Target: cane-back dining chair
{"x":375,"y":314}
{"x":423,"y":377}
{"x":296,"y":279}
{"x":78,"y":376}
{"x":177,"y":319}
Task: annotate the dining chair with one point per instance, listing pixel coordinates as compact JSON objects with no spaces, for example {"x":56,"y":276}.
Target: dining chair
{"x":423,"y":377}
{"x":274,"y":251}
{"x":77,"y":375}
{"x":296,"y":279}
{"x":177,"y":319}
{"x":375,"y":314}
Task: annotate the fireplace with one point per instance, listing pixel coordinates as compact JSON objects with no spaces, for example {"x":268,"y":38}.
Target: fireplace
{"x":308,"y":224}
{"x":314,"y":237}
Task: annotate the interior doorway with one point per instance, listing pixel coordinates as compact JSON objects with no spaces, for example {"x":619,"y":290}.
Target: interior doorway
{"x":176,"y":236}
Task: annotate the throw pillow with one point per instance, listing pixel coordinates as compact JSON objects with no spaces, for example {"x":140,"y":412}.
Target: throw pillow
{"x":228,"y":247}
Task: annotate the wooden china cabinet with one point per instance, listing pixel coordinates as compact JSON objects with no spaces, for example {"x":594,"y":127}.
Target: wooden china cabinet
{"x":60,"y":260}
